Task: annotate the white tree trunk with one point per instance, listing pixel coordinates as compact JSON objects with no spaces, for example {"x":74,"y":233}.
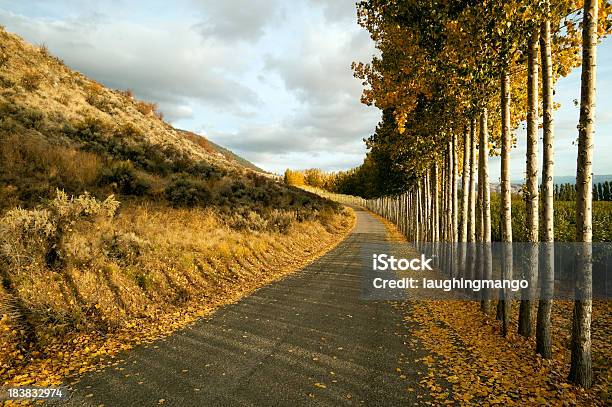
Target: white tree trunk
{"x":581,"y":370}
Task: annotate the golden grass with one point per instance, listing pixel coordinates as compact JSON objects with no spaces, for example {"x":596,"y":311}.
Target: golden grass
{"x":188,"y":264}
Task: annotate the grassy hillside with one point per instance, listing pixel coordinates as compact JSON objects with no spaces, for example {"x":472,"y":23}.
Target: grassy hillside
{"x":88,"y":134}
{"x":117,"y":228}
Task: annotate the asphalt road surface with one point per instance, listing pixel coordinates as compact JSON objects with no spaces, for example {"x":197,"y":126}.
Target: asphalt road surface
{"x":308,"y":339}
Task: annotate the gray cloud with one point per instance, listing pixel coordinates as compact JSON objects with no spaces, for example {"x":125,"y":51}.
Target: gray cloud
{"x":167,"y":64}
{"x":336,"y":127}
{"x":321,"y":71}
{"x":332,"y":161}
{"x":329,"y":116}
{"x":192,"y":65}
{"x":244,"y":20}
{"x":173,"y":113}
{"x":337,"y":11}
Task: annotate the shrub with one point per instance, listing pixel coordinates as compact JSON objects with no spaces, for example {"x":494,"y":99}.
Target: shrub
{"x":202,"y":169}
{"x":147,"y":108}
{"x":248,"y":221}
{"x":63,"y":98}
{"x":128,"y":93}
{"x":143,"y":280}
{"x":4,"y":58}
{"x":280,"y":221}
{"x":27,"y":117}
{"x":43,"y":49}
{"x":126,"y":247}
{"x":122,"y":176}
{"x":31,"y":236}
{"x":31,"y":80}
{"x":185,"y":191}
{"x":94,"y":95}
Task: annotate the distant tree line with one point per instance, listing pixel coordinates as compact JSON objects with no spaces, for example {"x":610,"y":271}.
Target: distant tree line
{"x":313,"y":177}
{"x":602,"y":191}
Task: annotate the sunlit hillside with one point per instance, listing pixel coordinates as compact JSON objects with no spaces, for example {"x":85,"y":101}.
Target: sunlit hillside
{"x":116,"y":227}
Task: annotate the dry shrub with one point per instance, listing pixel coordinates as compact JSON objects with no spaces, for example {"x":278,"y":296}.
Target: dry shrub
{"x":9,"y":196}
{"x":31,"y":156}
{"x":249,"y":221}
{"x":82,"y":167}
{"x":34,"y":241}
{"x":149,"y":108}
{"x":126,"y":247}
{"x":95,"y":96}
{"x":281,"y":221}
{"x":198,"y":140}
{"x":31,"y":80}
{"x":44,"y":50}
{"x":63,"y":98}
{"x":128,"y":93}
{"x":31,"y":237}
{"x":327,"y":218}
{"x":4,"y":58}
{"x":275,"y":221}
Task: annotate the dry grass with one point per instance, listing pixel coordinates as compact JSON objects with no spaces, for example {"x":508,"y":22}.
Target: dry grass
{"x":149,"y":264}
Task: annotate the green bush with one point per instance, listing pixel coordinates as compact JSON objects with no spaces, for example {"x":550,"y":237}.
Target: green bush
{"x":122,"y":176}
{"x":186,"y":191}
{"x":30,"y":118}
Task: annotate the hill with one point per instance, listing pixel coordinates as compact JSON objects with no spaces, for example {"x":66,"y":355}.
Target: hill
{"x":84,"y":128}
{"x":115,"y":227}
{"x":220,"y":151}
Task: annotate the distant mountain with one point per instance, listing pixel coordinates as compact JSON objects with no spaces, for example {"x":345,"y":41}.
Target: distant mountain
{"x":222,"y":152}
{"x":230,"y":154}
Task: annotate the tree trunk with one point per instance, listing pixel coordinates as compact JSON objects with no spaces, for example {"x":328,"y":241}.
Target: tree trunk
{"x":455,"y":202}
{"x":506,"y":201}
{"x":465,"y":185}
{"x":472,"y":186}
{"x":581,"y":370}
{"x":443,"y":195}
{"x":483,"y":180}
{"x":436,"y":202}
{"x":472,"y":252}
{"x":429,"y":213}
{"x":547,"y":278}
{"x":526,"y":311}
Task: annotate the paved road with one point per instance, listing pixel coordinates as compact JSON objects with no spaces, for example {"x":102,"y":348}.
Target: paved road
{"x":307,"y":339}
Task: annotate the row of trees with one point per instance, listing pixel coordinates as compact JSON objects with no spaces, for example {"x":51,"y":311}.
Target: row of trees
{"x":602,"y":191}
{"x":453,"y":79}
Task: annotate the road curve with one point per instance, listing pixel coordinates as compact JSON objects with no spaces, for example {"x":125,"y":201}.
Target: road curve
{"x":307,"y":339}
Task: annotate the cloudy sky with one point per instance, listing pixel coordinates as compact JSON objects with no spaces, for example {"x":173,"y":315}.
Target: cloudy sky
{"x":269,"y":79}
